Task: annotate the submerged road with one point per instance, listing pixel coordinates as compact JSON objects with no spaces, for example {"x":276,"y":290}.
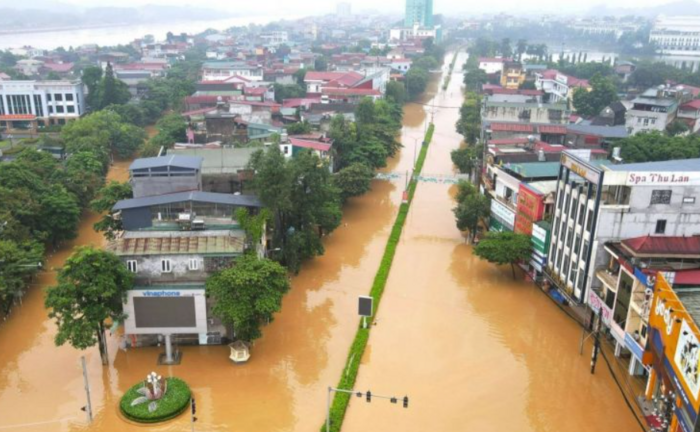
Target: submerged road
{"x":474,"y":350}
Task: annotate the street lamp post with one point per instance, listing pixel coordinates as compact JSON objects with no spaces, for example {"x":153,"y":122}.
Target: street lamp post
{"x":368,"y":395}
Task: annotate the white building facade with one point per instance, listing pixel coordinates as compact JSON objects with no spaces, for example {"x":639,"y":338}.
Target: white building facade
{"x":28,"y":104}
{"x":677,"y":35}
{"x":599,"y":202}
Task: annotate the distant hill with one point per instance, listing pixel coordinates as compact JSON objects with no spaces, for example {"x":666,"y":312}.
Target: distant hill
{"x":675,"y":8}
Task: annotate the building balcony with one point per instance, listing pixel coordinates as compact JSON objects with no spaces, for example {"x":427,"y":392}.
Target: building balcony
{"x":605,"y":275}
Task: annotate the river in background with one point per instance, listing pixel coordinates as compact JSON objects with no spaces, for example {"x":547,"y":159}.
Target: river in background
{"x":116,"y":35}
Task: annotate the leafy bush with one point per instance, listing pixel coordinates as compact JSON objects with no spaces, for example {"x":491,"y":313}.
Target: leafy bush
{"x":175,"y":401}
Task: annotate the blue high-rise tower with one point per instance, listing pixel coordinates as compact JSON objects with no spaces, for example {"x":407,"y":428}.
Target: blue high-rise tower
{"x":419,"y":12}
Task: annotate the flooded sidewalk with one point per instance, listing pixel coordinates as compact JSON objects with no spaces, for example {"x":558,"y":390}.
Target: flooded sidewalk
{"x":473,"y":349}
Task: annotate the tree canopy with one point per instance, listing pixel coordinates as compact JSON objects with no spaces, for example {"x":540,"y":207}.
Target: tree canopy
{"x":657,"y":146}
{"x":91,"y":289}
{"x":248,"y":295}
{"x":353,"y":180}
{"x":472,"y":207}
{"x":504,"y":248}
{"x":591,"y":103}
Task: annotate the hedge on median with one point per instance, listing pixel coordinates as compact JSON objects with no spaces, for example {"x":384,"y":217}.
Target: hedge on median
{"x":357,"y":349}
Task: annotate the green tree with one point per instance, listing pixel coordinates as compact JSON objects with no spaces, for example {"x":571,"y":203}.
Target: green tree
{"x":171,"y":128}
{"x":302,"y":199}
{"x":107,"y":197}
{"x":299,"y":76}
{"x":53,"y":76}
{"x":91,"y":289}
{"x":505,"y":49}
{"x":248,"y":295}
{"x":521,"y":48}
{"x":288,"y":91}
{"x":298,"y":128}
{"x":474,"y":79}
{"x":253,"y":225}
{"x":91,"y":77}
{"x":465,"y":159}
{"x":60,"y":214}
{"x":103,"y":132}
{"x":416,"y":81}
{"x":18,"y":262}
{"x":591,"y":103}
{"x":677,"y":127}
{"x":112,"y":90}
{"x":396,"y":92}
{"x":321,"y":64}
{"x":657,"y":146}
{"x":84,"y":176}
{"x":469,"y":123}
{"x":504,"y":248}
{"x":353,"y":180}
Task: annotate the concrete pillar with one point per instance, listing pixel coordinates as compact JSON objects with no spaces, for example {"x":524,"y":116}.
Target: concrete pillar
{"x":168,"y":349}
{"x":651,"y":383}
{"x":618,"y":349}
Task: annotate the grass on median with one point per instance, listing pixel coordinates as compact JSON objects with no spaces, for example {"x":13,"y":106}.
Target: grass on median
{"x":357,"y":349}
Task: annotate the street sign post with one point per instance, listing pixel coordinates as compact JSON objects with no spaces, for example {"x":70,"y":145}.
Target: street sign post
{"x":365,"y":308}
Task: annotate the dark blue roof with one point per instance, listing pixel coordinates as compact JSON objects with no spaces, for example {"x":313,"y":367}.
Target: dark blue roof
{"x":207,"y":197}
{"x":604,"y":131}
{"x":191,"y":162}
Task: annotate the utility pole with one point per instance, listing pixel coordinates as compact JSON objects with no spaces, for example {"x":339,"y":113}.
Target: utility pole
{"x":368,"y":397}
{"x":193,"y":411}
{"x":596,"y":343}
{"x":87,"y":408}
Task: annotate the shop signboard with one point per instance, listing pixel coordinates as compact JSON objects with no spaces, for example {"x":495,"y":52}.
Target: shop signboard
{"x":680,"y":339}
{"x":580,"y":167}
{"x":687,"y":358}
{"x":599,"y":307}
{"x":634,"y":347}
{"x":505,"y":215}
{"x":540,"y":239}
{"x":530,"y":209}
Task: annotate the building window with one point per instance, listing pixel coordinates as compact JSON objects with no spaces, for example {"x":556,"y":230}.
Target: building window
{"x":59,"y":109}
{"x":581,"y":213}
{"x":577,"y":243}
{"x":69,"y":96}
{"x":70,"y":109}
{"x":58,"y":97}
{"x":570,"y":237}
{"x":39,"y":106}
{"x":132,"y":265}
{"x":166,"y":266}
{"x":660,"y":226}
{"x":661,"y":196}
{"x":688,"y":200}
{"x":567,"y":261}
{"x":584,"y":251}
{"x":194,"y":264}
{"x":589,"y":222}
{"x":48,"y":97}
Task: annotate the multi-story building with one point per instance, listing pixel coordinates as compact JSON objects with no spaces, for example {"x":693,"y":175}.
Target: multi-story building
{"x":419,"y":12}
{"x":558,"y":86}
{"x":30,"y":104}
{"x":492,"y":65}
{"x":627,"y":281}
{"x":655,"y":109}
{"x":512,"y":75}
{"x":512,"y":110}
{"x":217,"y":71}
{"x":677,"y":35}
{"x":598,"y":202}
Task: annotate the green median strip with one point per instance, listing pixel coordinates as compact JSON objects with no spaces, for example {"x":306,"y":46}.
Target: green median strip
{"x":357,"y":349}
{"x":449,"y":73}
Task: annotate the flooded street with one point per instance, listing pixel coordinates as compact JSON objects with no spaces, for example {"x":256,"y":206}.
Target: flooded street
{"x":474,"y":350}
{"x":281,"y":389}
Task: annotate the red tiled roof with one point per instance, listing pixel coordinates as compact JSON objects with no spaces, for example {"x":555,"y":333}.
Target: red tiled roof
{"x":552,"y":129}
{"x":571,"y":81}
{"x":18,"y":117}
{"x":692,"y":105}
{"x":511,"y":127}
{"x":254,"y":90}
{"x":501,"y":90}
{"x":322,"y":76}
{"x":663,"y":245}
{"x":315,"y":145}
{"x":59,"y":67}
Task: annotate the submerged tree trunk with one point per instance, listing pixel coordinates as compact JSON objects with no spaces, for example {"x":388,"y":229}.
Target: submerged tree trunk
{"x":512,"y":269}
{"x":102,"y":344}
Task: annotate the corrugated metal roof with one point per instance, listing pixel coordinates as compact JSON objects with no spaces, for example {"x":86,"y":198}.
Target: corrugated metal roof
{"x":535,"y":169}
{"x":682,"y":165}
{"x":207,"y":197}
{"x":603,"y":131}
{"x":191,"y":162}
{"x":175,"y":244}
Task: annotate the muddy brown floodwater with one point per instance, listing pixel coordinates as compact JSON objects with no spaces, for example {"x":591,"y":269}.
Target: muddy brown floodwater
{"x":473,"y":349}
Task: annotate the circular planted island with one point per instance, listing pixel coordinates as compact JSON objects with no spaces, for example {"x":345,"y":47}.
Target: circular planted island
{"x":156,"y":399}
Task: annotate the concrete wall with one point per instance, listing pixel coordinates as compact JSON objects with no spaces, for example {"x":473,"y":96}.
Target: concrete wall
{"x":153,"y":186}
{"x":149,"y":268}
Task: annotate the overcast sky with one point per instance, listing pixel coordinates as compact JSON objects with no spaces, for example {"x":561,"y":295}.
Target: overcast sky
{"x":307,"y":7}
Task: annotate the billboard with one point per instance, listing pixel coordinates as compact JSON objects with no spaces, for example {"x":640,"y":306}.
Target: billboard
{"x":505,"y":215}
{"x":166,"y":310}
